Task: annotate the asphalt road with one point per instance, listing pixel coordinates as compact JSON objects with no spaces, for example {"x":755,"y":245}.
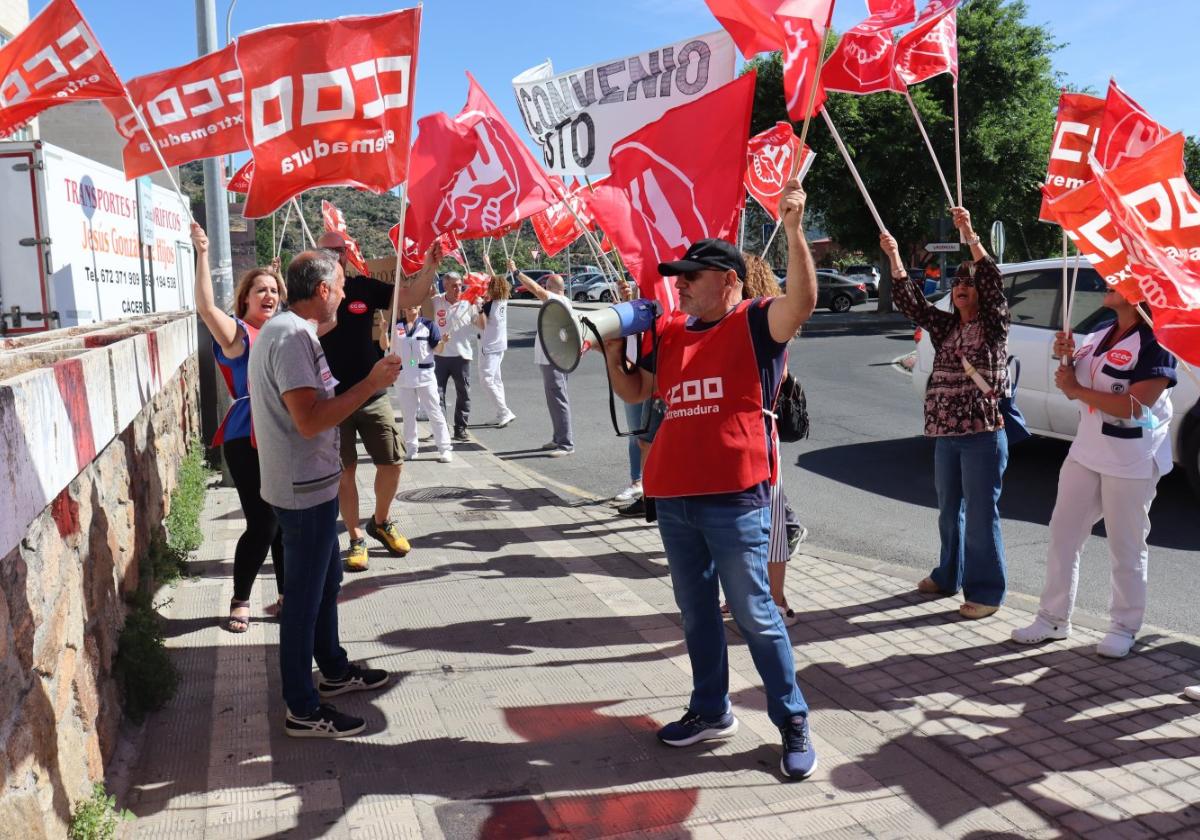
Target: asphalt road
{"x":863,"y":481}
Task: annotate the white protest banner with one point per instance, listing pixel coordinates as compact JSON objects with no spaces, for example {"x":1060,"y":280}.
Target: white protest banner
{"x":576,"y":117}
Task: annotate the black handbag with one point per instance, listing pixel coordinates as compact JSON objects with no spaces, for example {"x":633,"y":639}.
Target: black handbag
{"x":1014,"y":422}
{"x":791,"y":410}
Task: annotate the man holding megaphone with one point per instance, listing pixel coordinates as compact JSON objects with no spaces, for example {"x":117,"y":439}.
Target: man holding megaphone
{"x":718,"y":366}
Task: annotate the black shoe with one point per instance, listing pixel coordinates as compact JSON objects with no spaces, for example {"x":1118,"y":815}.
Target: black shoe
{"x":635,"y":508}
{"x":325,"y":722}
{"x":461,"y":435}
{"x":796,"y":534}
{"x":355,"y":679}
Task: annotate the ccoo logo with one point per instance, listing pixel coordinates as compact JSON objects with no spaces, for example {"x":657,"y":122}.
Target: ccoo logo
{"x":357,"y":307}
{"x":1120,"y":356}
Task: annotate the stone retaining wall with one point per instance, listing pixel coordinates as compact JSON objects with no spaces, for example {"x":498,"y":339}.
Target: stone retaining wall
{"x":91,"y":434}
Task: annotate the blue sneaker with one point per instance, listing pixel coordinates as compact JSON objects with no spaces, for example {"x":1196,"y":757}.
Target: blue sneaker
{"x":799,"y":756}
{"x":691,"y":729}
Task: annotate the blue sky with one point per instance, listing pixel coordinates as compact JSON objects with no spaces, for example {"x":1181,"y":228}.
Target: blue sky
{"x":1149,"y":46}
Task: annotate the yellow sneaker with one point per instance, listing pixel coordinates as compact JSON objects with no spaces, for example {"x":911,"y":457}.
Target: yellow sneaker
{"x":390,"y":536}
{"x":356,"y":557}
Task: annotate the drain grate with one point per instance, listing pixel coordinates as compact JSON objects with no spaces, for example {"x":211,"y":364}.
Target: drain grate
{"x":436,"y":494}
{"x":475,"y":516}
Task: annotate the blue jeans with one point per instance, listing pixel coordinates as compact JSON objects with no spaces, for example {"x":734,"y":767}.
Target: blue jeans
{"x":968,"y":472}
{"x":308,"y":622}
{"x":634,"y":418}
{"x":707,"y":542}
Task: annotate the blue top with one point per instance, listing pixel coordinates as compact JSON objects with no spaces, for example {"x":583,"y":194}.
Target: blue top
{"x":237,"y":420}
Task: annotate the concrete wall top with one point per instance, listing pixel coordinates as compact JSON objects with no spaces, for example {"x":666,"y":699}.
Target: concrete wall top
{"x":71,"y":392}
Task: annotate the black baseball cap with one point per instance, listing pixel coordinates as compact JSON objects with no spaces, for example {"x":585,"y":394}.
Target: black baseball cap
{"x":707,"y":253}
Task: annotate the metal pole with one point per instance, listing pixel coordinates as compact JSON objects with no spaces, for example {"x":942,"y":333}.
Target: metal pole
{"x":216,"y":206}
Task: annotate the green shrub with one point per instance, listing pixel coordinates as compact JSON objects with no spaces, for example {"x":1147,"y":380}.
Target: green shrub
{"x":183,"y":522}
{"x":97,"y":818}
{"x":144,"y":672}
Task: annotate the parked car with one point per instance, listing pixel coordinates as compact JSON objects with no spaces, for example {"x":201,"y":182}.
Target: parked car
{"x":868,"y":274}
{"x":519,"y":291}
{"x":1034,"y":292}
{"x":606,"y":290}
{"x":577,"y":288}
{"x":837,"y":292}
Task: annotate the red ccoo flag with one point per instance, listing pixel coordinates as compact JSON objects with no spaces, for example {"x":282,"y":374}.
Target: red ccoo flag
{"x":1075,"y":132}
{"x":328,"y":103}
{"x":663,"y":195}
{"x":930,"y":47}
{"x":864,"y":60}
{"x":555,"y":227}
{"x":55,"y":59}
{"x":193,"y":112}
{"x":1126,"y":130}
{"x":772,"y":158}
{"x":1159,"y":214}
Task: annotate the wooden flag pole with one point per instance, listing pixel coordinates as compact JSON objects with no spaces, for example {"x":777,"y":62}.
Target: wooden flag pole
{"x":837,"y":138}
{"x":283,"y":231}
{"x":187,"y":205}
{"x":312,"y":243}
{"x":404,"y":207}
{"x":929,"y":145}
{"x":812,"y":92}
{"x":957,"y":148}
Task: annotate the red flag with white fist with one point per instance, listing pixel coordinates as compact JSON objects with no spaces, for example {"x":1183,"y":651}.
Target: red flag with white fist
{"x":931,"y":47}
{"x":664,"y":195}
{"x":328,"y":103}
{"x":501,"y":184}
{"x":772,"y":158}
{"x":804,"y":23}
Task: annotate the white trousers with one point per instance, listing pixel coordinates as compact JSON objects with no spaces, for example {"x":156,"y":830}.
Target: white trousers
{"x":425,"y":396}
{"x":493,"y":385}
{"x":1084,"y":497}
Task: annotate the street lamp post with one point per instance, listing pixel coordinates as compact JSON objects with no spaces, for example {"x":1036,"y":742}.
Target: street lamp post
{"x":212,"y":389}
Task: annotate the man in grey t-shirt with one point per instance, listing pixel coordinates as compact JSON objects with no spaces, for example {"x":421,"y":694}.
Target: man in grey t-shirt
{"x":296,"y":414}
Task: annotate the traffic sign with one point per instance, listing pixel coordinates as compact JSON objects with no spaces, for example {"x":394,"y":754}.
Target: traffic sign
{"x":998,"y":240}
{"x":942,"y":247}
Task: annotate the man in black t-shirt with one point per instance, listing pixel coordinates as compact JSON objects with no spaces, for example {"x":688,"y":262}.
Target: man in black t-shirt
{"x":351,"y":353}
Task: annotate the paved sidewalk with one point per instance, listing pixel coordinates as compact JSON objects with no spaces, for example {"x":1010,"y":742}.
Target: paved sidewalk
{"x":536,"y":647}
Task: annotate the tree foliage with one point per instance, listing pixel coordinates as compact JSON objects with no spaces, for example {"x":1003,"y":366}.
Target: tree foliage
{"x":1007,"y":97}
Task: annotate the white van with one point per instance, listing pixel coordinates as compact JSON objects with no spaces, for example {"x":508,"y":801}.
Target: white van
{"x":1034,"y":292}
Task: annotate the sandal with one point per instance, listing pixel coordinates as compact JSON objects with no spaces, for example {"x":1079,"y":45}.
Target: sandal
{"x":239,"y":616}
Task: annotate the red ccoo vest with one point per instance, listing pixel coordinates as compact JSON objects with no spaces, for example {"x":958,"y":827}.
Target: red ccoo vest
{"x":712,"y":439}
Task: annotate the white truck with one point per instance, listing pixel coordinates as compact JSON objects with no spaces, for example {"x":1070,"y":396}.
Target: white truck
{"x":80,"y":244}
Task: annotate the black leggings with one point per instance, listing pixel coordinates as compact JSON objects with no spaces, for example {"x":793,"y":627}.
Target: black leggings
{"x":262,"y":529}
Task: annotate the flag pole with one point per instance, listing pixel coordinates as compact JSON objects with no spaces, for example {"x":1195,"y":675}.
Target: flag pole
{"x":1065,"y":291}
{"x":957,"y":148}
{"x":187,"y":205}
{"x":412,"y":98}
{"x":771,"y":239}
{"x":812,"y":91}
{"x":929,"y":145}
{"x":837,"y":138}
{"x":283,"y":230}
{"x":1074,"y":286}
{"x":312,"y":243}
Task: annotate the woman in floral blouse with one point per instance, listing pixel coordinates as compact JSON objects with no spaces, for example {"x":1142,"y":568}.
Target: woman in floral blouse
{"x":962,"y":414}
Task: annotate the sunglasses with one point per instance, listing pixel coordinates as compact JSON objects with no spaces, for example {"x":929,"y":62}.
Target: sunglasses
{"x":969,"y":282}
